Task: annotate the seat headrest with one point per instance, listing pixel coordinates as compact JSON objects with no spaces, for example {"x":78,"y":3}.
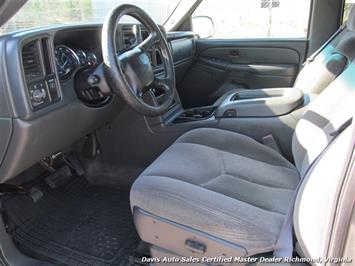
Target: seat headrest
{"x":351,"y":20}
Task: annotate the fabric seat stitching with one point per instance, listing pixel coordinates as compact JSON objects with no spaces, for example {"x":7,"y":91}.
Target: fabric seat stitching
{"x":241,"y":177}
{"x":253,"y":140}
{"x":274,"y":165}
{"x":216,"y":193}
{"x":223,"y":163}
{"x":243,"y":180}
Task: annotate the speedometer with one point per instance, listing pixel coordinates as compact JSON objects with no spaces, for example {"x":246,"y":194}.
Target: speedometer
{"x":67,"y":61}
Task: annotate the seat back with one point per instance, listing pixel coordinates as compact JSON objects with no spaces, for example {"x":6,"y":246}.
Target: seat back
{"x":331,"y":109}
{"x":325,"y":114}
{"x":315,"y":76}
{"x":315,"y":204}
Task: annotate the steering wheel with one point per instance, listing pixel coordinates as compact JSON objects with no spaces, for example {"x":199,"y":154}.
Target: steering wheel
{"x":131,"y":74}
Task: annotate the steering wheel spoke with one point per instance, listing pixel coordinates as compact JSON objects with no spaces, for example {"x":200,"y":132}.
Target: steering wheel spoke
{"x":149,"y":42}
{"x":125,"y":56}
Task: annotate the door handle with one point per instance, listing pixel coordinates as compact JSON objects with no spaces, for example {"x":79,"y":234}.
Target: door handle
{"x":234,"y":53}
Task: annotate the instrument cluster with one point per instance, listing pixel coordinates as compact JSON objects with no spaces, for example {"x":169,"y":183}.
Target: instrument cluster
{"x":69,"y":60}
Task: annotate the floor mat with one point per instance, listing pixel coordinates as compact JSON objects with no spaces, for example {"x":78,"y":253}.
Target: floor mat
{"x":77,"y":224}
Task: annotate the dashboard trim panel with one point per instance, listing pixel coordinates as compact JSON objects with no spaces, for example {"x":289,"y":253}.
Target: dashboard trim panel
{"x":34,"y":134}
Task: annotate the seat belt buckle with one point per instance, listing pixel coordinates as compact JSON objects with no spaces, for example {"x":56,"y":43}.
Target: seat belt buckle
{"x":270,"y":141}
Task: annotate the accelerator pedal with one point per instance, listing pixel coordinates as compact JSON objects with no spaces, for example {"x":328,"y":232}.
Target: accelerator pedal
{"x":59,"y":178}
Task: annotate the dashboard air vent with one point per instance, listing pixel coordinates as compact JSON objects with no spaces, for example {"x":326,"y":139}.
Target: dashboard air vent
{"x":31,"y":61}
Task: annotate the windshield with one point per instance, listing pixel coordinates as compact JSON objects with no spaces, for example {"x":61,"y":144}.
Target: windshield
{"x":37,"y":13}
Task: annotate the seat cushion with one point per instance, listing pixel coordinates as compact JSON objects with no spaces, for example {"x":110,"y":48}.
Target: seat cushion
{"x":221,"y":183}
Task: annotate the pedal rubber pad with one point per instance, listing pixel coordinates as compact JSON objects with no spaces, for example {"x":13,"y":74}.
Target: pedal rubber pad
{"x":59,"y":178}
{"x":75,"y":164}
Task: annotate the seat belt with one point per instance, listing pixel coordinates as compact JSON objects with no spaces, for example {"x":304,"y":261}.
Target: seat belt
{"x":270,"y":141}
{"x":284,"y":243}
{"x":317,"y":52}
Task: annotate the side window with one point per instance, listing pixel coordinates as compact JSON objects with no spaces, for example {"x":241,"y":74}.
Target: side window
{"x":254,"y":18}
{"x":347,"y":6}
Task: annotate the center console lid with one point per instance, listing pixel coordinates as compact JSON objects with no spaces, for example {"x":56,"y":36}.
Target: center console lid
{"x":260,"y":102}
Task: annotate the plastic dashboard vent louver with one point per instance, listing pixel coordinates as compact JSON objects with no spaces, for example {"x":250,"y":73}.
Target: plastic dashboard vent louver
{"x":31,"y":61}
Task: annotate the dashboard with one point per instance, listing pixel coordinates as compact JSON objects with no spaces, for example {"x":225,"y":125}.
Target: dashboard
{"x":43,"y":106}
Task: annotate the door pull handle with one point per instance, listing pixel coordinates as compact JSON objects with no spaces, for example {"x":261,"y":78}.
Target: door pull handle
{"x":234,"y":53}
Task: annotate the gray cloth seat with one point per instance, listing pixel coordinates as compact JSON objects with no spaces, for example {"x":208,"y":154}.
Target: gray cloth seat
{"x":239,"y":186}
{"x":231,"y":193}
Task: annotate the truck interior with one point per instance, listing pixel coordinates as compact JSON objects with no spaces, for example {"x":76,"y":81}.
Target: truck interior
{"x":196,"y":135}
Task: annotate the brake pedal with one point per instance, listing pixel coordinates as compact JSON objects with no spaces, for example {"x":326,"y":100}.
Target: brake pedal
{"x":36,"y":194}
